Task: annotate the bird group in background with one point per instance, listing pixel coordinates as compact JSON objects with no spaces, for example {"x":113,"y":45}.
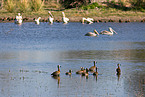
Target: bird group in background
{"x":85,"y":72}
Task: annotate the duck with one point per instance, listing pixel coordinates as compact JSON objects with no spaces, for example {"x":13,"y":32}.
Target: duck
{"x":92,"y":34}
{"x":64,"y":19}
{"x":85,"y":73}
{"x":93,"y":67}
{"x":80,"y":71}
{"x":18,"y":19}
{"x":56,"y":73}
{"x":110,"y":32}
{"x":37,"y":21}
{"x":118,"y":70}
{"x":50,"y":18}
{"x":96,"y":73}
{"x":68,"y":73}
{"x":88,"y":20}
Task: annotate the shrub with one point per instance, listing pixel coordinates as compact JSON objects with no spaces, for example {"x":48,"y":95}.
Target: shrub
{"x":92,"y":6}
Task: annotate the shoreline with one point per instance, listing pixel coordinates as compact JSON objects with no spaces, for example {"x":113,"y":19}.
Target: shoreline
{"x":78,"y":19}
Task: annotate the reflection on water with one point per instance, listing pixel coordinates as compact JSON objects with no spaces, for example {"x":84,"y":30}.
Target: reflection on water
{"x":30,"y":53}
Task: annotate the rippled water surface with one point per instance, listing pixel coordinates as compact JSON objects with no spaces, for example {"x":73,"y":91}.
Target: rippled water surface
{"x":29,"y":53}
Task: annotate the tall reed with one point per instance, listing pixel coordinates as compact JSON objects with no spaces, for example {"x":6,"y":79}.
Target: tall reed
{"x":23,"y":6}
{"x":37,"y":5}
{"x":10,"y":5}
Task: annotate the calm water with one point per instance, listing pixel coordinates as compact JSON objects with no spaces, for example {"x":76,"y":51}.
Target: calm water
{"x":29,"y":53}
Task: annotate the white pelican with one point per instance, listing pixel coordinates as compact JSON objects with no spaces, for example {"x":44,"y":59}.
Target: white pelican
{"x":18,"y":19}
{"x":50,"y":18}
{"x":110,"y":32}
{"x":92,"y":34}
{"x":64,"y":19}
{"x":88,"y":20}
{"x":37,"y":21}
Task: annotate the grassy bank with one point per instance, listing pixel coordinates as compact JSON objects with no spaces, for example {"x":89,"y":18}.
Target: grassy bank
{"x":102,"y":14}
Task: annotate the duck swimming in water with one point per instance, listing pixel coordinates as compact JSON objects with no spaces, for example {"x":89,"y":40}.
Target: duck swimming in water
{"x":96,"y":73}
{"x":118,"y":70}
{"x":68,"y":73}
{"x":80,"y":71}
{"x":93,"y":68}
{"x":56,"y":73}
{"x":85,"y":73}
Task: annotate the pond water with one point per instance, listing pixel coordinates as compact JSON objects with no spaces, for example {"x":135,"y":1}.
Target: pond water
{"x":29,"y":53}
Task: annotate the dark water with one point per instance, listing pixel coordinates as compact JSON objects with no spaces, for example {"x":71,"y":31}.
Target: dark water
{"x":29,"y":53}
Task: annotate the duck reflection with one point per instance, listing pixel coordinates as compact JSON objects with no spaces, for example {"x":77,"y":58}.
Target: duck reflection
{"x":95,"y":77}
{"x":58,"y":80}
{"x":118,"y":75}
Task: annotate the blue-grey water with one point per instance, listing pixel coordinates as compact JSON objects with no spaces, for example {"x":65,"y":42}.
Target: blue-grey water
{"x":29,"y":53}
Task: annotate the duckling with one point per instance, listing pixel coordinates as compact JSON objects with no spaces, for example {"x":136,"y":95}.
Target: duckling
{"x":85,"y":73}
{"x":56,"y":73}
{"x":93,"y":67}
{"x":80,"y":71}
{"x":68,"y":73}
{"x":96,"y":73}
{"x":118,"y":70}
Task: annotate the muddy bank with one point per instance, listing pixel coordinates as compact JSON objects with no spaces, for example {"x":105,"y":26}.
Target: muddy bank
{"x":78,"y":19}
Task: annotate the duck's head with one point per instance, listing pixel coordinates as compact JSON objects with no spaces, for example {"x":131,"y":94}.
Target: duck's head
{"x":95,"y":63}
{"x":82,"y":68}
{"x":58,"y":66}
{"x":118,"y":64}
{"x":70,"y":71}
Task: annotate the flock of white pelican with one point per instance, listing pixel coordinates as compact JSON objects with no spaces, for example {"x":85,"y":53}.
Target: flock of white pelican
{"x":66,"y":20}
{"x":37,"y":21}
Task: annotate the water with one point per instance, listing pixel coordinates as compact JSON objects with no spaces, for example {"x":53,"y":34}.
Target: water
{"x":29,"y":53}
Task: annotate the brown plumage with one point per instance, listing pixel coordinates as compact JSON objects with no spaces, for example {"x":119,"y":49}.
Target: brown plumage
{"x":118,"y":70}
{"x":93,"y":67}
{"x":96,"y":73}
{"x":68,"y":73}
{"x":85,"y":73}
{"x":56,"y":73}
{"x":80,"y":71}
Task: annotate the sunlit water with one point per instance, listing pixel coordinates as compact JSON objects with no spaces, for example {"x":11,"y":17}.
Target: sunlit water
{"x":29,"y":53}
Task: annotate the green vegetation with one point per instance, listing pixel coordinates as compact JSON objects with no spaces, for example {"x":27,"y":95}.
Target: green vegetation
{"x":75,"y":8}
